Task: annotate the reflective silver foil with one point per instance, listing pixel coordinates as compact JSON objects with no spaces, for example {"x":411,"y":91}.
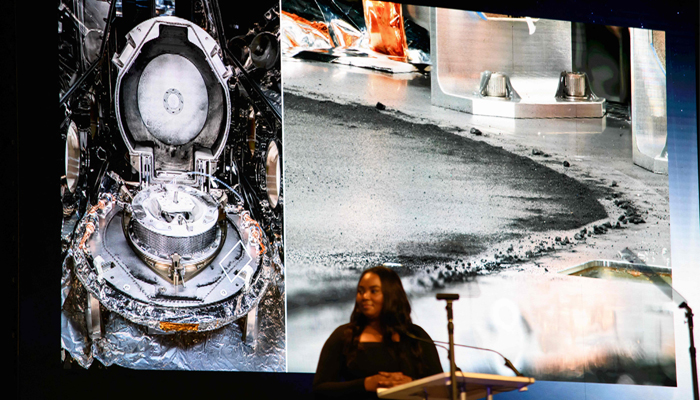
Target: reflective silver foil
{"x":129,"y":345}
{"x":74,"y":336}
{"x":131,"y":338}
{"x":298,"y":34}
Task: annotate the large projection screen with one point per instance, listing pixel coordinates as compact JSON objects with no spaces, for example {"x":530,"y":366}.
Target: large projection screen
{"x":412,"y":187}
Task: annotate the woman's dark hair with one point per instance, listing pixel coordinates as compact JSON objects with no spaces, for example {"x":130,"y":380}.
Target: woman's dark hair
{"x":395,"y":317}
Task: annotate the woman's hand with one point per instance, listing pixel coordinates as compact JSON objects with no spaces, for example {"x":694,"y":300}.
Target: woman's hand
{"x":385,"y":380}
{"x":396,"y":378}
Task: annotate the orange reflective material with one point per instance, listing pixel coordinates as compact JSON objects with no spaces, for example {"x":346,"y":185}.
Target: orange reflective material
{"x":318,"y":30}
{"x":345,"y":34}
{"x":384,"y":23}
{"x":174,"y":327}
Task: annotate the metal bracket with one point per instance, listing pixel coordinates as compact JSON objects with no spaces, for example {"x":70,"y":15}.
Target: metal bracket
{"x":177,"y":270}
{"x":93,"y":318}
{"x":246,"y":274}
{"x":251,"y":326}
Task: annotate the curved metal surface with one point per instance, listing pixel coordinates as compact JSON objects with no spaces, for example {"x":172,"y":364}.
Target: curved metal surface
{"x":175,"y":211}
{"x":273,"y":173}
{"x":649,"y":118}
{"x":72,"y":157}
{"x":496,"y":86}
{"x":575,"y":84}
{"x":169,"y":109}
{"x":172,"y":99}
{"x":182,"y":265}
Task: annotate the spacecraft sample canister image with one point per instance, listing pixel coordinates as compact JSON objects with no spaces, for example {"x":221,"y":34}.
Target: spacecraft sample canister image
{"x":515,"y":161}
{"x":172,"y":194}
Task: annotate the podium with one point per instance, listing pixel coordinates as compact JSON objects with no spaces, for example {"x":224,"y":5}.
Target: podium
{"x":472,"y":386}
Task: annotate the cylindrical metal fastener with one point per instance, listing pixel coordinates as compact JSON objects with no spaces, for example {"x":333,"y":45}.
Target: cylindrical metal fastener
{"x":496,"y":87}
{"x":575,"y":84}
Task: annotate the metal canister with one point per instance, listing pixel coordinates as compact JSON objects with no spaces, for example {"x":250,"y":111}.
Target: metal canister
{"x":575,"y":84}
{"x":496,"y":86}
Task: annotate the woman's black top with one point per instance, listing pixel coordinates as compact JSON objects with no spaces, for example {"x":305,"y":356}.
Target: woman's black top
{"x":336,"y":379}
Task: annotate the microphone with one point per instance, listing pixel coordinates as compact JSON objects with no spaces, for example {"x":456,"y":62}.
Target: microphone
{"x":451,"y":297}
{"x":439,"y":343}
{"x":507,"y":361}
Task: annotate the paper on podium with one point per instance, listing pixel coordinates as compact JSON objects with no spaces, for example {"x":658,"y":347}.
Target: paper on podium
{"x":436,"y":387}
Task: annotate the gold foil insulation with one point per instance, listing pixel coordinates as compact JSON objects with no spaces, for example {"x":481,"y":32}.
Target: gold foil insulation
{"x":174,"y":327}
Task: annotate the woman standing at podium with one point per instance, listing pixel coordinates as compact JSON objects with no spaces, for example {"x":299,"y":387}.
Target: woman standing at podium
{"x":378,"y":348}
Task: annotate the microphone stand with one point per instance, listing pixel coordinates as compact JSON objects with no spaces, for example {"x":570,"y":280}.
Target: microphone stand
{"x":693,"y":360}
{"x":673,"y":294}
{"x":450,"y":331}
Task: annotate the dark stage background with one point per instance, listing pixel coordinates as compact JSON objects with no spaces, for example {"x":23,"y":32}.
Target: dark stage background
{"x":32,"y":210}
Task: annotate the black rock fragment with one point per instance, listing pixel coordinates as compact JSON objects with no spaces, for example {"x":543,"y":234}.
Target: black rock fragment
{"x":624,"y":204}
{"x":637,"y":220}
{"x":380,"y":106}
{"x":566,"y":164}
{"x":475,"y":131}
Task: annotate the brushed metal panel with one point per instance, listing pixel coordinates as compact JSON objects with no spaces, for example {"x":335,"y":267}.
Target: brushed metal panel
{"x":464,"y":45}
{"x":467,"y":46}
